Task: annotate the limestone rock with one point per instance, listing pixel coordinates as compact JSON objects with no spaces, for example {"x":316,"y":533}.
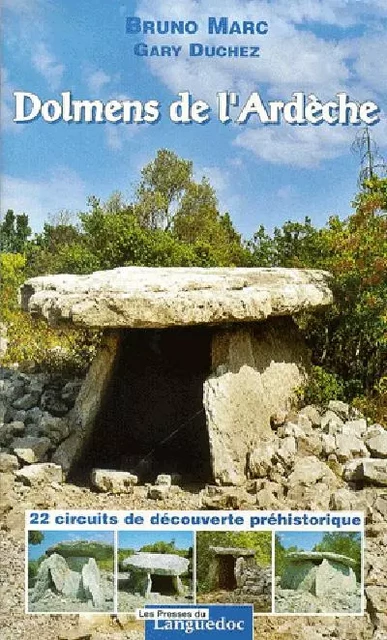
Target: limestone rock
{"x":378,"y":445}
{"x":309,"y":470}
{"x":331,"y":422}
{"x":257,"y":370}
{"x":54,"y":428}
{"x":54,"y":573}
{"x":311,"y":412}
{"x":40,"y":474}
{"x":374,"y":471}
{"x":356,"y":428}
{"x":328,"y":444}
{"x":377,"y":597}
{"x":353,"y":471}
{"x":168,"y":564}
{"x":315,"y":497}
{"x":159,"y":491}
{"x":27,"y":402}
{"x":214,"y":497}
{"x":260,"y":460}
{"x":88,"y":403}
{"x":31,"y":449}
{"x":8,"y":463}
{"x":91,"y":583}
{"x":113,"y":481}
{"x":373,"y":430}
{"x":164,"y":479}
{"x":310,"y":444}
{"x":164,"y":297}
{"x":340,"y":408}
{"x":349,"y":446}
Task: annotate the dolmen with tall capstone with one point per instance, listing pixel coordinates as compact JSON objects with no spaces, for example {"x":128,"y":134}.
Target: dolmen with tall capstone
{"x":237,"y":321}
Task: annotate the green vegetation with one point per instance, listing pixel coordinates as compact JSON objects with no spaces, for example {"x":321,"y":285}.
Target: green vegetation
{"x":174,"y":220}
{"x":83,"y":548}
{"x":35,"y":537}
{"x":346,"y":544}
{"x":260,"y":542}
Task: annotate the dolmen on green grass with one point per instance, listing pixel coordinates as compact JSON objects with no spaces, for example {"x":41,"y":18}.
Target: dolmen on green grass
{"x":71,"y":570}
{"x":320,"y":573}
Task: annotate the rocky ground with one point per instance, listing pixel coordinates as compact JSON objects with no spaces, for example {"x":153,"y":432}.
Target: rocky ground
{"x":128,"y":602}
{"x":320,"y":460}
{"x":261,"y":604}
{"x":58,"y":603}
{"x":291,"y":601}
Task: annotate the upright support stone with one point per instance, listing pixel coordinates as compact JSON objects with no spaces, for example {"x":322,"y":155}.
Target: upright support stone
{"x":89,"y":402}
{"x":257,"y":370}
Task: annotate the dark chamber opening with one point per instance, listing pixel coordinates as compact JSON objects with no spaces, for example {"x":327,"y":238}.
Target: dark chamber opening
{"x":163,"y":585}
{"x":156,"y":389}
{"x":227,"y":578}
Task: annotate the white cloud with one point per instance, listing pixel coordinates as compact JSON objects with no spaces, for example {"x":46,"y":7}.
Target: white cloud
{"x":303,"y":146}
{"x":6,"y":105}
{"x":97,"y":80}
{"x":293,"y":58}
{"x":46,"y":64}
{"x":61,"y":189}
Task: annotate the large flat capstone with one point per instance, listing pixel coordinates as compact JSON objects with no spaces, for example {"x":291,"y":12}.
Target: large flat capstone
{"x":168,"y":564}
{"x":144,"y":297}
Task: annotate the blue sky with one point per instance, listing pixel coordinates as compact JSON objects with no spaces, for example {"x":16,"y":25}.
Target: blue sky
{"x":137,"y":539}
{"x":262,"y":174}
{"x":304,"y":540}
{"x":53,"y":537}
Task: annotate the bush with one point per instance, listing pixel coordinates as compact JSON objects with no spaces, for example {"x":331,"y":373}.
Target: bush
{"x":321,"y":387}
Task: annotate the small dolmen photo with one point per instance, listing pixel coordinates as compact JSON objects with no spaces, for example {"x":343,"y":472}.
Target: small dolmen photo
{"x":234,"y":568}
{"x":154,"y":567}
{"x":318,"y":572}
{"x":70,"y":571}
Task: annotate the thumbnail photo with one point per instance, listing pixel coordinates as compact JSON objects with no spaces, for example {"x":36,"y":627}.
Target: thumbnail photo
{"x":318,"y":572}
{"x":155,"y":567}
{"x":70,"y":571}
{"x":234,"y":568}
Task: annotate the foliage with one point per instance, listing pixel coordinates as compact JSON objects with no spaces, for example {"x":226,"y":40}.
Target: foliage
{"x":35,"y":537}
{"x":162,"y":546}
{"x":280,"y":555}
{"x":346,"y":544}
{"x":260,"y":542}
{"x":174,"y":220}
{"x":322,"y":387}
{"x":14,"y":232}
{"x":33,"y":567}
{"x":349,"y":339}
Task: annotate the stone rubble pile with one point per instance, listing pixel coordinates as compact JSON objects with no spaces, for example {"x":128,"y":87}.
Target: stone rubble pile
{"x":34,"y":411}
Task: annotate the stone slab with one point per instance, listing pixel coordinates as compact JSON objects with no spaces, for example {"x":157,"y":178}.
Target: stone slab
{"x":320,"y":556}
{"x":146,"y":297}
{"x":256,"y":371}
{"x":168,"y":564}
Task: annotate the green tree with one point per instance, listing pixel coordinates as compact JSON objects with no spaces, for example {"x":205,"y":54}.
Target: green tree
{"x":35,"y":537}
{"x":14,"y":232}
{"x":260,"y":542}
{"x":346,"y":544}
{"x":162,"y":185}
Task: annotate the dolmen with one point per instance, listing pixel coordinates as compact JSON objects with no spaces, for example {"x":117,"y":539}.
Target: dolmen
{"x":323,"y":574}
{"x":143,"y":568}
{"x":209,"y":353}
